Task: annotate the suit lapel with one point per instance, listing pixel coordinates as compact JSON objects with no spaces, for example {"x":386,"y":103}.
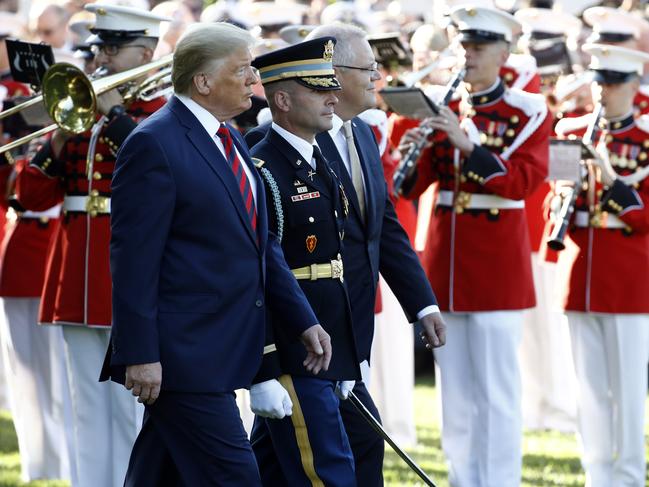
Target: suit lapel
{"x":213,"y":158}
{"x":303,"y":170}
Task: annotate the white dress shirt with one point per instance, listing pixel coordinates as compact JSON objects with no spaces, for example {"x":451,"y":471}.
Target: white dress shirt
{"x":304,"y":148}
{"x":211,"y":126}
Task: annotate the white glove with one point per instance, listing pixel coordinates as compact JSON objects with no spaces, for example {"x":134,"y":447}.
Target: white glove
{"x":270,"y":400}
{"x":365,"y":373}
{"x":343,"y":388}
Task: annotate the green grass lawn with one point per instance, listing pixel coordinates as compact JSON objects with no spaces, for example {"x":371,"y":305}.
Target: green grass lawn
{"x":550,"y":459}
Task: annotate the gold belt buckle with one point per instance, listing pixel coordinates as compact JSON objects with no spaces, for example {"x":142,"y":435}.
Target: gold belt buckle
{"x":96,"y":204}
{"x":462,"y":201}
{"x":337,"y":269}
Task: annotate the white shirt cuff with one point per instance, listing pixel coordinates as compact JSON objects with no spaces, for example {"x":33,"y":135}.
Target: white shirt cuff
{"x":428,"y":310}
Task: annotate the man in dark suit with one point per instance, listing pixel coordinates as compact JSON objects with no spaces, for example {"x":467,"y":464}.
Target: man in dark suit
{"x":308,"y":209}
{"x":195,"y":271}
{"x":374,"y":240}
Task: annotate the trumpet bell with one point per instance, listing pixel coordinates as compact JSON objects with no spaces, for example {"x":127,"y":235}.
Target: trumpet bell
{"x":69,"y":98}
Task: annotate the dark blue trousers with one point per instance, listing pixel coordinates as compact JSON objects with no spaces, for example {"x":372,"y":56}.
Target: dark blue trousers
{"x":366,"y":445}
{"x":192,"y":440}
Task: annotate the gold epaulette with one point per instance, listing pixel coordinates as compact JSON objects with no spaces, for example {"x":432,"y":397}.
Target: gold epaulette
{"x":258,"y":162}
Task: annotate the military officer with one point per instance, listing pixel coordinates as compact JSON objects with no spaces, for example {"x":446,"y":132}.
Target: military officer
{"x":477,"y":256}
{"x":307,"y":210}
{"x":606,"y":277}
{"x":76,"y":171}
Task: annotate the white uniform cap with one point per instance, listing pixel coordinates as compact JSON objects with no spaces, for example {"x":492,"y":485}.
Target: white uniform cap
{"x":607,"y":20}
{"x":544,"y":20}
{"x":123,"y":23}
{"x":292,"y":34}
{"x":615,"y":58}
{"x":272,"y":13}
{"x":483,"y":24}
{"x":223,"y":11}
{"x":574,"y":7}
{"x":345,"y":12}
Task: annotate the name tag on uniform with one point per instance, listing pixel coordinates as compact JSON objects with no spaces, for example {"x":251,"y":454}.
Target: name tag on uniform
{"x":305,"y":196}
{"x":302,"y":189}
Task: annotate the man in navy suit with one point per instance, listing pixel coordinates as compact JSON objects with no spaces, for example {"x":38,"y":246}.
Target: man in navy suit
{"x":195,"y":271}
{"x":374,"y":239}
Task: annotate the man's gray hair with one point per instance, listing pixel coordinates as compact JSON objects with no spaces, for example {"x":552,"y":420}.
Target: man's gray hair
{"x":344,"y":34}
{"x":203,"y":48}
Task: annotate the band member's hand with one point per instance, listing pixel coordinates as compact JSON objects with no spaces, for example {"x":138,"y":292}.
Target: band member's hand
{"x":343,"y":388}
{"x":270,"y":400}
{"x":318,"y":347}
{"x":434,"y":330}
{"x":108,"y":100}
{"x":415,"y":135}
{"x":143,"y":380}
{"x":448,"y":122}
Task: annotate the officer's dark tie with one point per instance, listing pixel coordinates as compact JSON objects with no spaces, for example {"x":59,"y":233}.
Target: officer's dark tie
{"x":237,"y":168}
{"x":321,"y":166}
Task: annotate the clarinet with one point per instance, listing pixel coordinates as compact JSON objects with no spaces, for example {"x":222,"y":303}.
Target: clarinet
{"x":408,"y":164}
{"x":555,"y":240}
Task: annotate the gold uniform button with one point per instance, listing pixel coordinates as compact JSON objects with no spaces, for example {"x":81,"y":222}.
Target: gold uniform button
{"x":99,"y":157}
{"x":94,"y":192}
{"x":514,"y":119}
{"x":494,"y":211}
{"x":93,"y":213}
{"x":44,"y":219}
{"x":96,"y":176}
{"x":510,"y":133}
{"x":642,"y":156}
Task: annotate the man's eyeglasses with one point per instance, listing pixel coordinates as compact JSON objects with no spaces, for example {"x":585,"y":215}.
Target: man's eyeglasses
{"x":373,"y":68}
{"x":112,"y":49}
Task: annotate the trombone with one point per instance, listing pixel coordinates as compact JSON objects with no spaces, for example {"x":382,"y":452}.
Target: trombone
{"x":70,"y":96}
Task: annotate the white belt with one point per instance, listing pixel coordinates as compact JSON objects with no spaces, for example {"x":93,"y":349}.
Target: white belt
{"x":479,"y":201}
{"x":583,"y":220}
{"x":53,"y":212}
{"x":87,"y":204}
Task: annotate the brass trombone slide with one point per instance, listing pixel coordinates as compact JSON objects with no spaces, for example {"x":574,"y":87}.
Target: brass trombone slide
{"x":70,"y":97}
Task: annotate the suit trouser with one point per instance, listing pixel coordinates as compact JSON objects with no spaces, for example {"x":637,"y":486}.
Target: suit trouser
{"x":192,"y":440}
{"x":311,"y":446}
{"x":481,"y":398}
{"x":611,"y":352}
{"x":106,"y":417}
{"x":33,"y":356}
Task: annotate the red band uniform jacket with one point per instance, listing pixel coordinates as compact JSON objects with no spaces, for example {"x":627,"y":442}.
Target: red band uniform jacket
{"x":605,"y":267}
{"x":479,"y":259}
{"x":77,"y":287}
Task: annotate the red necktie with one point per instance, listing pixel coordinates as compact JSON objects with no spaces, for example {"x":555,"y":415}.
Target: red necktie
{"x":237,"y":168}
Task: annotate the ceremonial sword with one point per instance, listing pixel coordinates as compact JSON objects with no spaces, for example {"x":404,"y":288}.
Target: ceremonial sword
{"x":379,"y":429}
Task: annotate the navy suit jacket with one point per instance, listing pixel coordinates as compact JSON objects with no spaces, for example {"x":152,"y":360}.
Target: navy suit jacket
{"x":378,"y":245}
{"x":191,"y":279}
